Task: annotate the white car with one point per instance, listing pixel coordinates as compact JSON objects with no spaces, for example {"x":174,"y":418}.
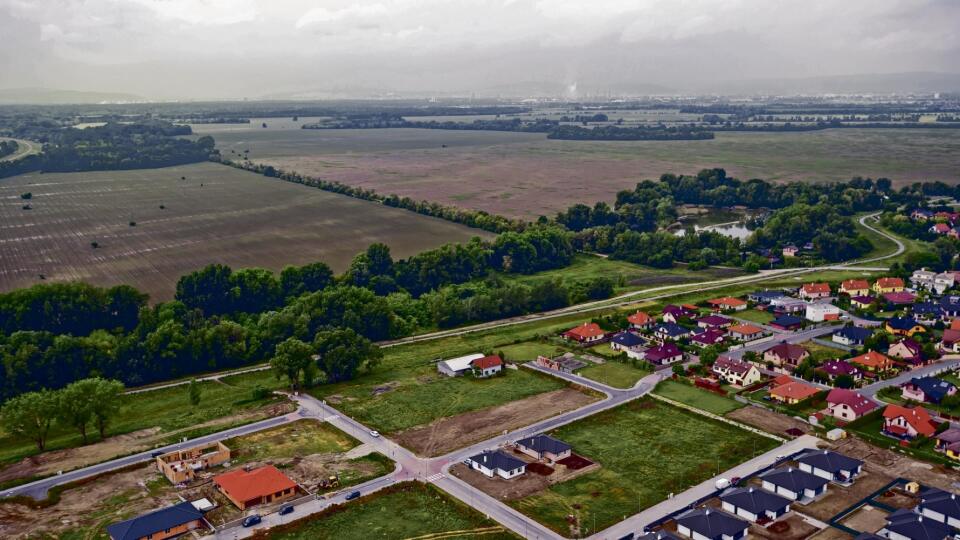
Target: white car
{"x":374,"y":433}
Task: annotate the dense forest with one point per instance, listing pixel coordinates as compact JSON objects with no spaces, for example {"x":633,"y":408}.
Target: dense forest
{"x":8,"y":147}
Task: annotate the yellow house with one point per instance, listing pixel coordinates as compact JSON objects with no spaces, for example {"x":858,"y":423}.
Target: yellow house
{"x":888,"y":285}
{"x":855,"y":287}
{"x":953,"y":452}
{"x":903,"y":326}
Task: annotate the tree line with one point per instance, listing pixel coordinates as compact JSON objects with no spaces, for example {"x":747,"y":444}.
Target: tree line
{"x":8,"y":148}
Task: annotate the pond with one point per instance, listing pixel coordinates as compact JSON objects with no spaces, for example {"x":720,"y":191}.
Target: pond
{"x":730,"y":223}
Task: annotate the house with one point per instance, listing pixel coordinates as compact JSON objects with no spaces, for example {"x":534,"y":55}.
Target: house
{"x":790,"y":251}
{"x":714,"y":321}
{"x":585,"y":333}
{"x":873,"y":362}
{"x":661,"y":355}
{"x":835,"y":368}
{"x":948,"y":438}
{"x":788,"y":305}
{"x":908,"y":350}
{"x":487,"y":366}
{"x":262,"y":485}
{"x":745,"y":332}
{"x":792,"y":392}
{"x":566,"y":363}
{"x":164,"y":523}
{"x":787,"y":322}
{"x":830,"y":465}
{"x":629,"y":343}
{"x":709,"y":524}
{"x":855,"y":287}
{"x":794,"y":484}
{"x":640,"y":321}
{"x":736,"y":372}
{"x":709,"y":337}
{"x":181,"y":466}
{"x":902,"y":298}
{"x":458,"y":366}
{"x":812,"y":291}
{"x":544,"y":447}
{"x":853,"y":336}
{"x":931,"y":281}
{"x":921,"y":214}
{"x":822,"y":312}
{"x":668,"y":330}
{"x":786,"y":356}
{"x":940,"y":505}
{"x":658,"y":535}
{"x":903,"y":326}
{"x":765,"y":297}
{"x":727,"y":303}
{"x":904,"y":524}
{"x":752,"y":503}
{"x":926,"y":312}
{"x":950,"y":343}
{"x":940,"y":228}
{"x":886,"y":285}
{"x":862,"y":302}
{"x":496,"y":463}
{"x":907,"y":422}
{"x":950,"y":305}
{"x":848,"y":405}
{"x":927,"y":389}
{"x":673,"y":314}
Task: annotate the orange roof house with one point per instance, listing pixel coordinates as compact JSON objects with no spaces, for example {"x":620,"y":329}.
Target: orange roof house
{"x":815,"y":290}
{"x":585,"y":333}
{"x":727,"y":303}
{"x":907,"y":423}
{"x":640,"y":320}
{"x":888,"y":285}
{"x":855,"y":287}
{"x":872,"y":361}
{"x":955,"y":324}
{"x":250,"y":488}
{"x":745,"y":331}
{"x":792,"y":392}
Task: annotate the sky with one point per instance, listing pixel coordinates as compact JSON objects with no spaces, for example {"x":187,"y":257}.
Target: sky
{"x":204,"y":49}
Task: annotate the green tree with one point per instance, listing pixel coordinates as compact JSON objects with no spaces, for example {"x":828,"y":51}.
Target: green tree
{"x":292,"y":360}
{"x":30,"y":416}
{"x":106,"y":402}
{"x":344,"y":352}
{"x":195,"y":392}
{"x":75,"y":404}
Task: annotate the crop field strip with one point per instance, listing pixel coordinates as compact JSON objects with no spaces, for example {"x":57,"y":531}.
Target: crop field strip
{"x":217,"y":215}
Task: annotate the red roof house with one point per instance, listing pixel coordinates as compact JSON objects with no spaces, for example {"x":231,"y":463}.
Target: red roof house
{"x":250,"y":488}
{"x":907,"y":423}
{"x":728,"y":303}
{"x":585,"y":333}
{"x":848,"y":405}
{"x":640,"y":320}
{"x":487,"y":366}
{"x":815,"y":290}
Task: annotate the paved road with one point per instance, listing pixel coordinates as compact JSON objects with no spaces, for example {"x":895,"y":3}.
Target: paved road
{"x":39,"y":488}
{"x":798,"y":336}
{"x":211,"y":377}
{"x":24,"y":148}
{"x":949,"y":362}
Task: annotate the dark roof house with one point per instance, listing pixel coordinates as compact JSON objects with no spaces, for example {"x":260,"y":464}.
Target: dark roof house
{"x":755,"y":503}
{"x":544,"y":444}
{"x":909,"y":524}
{"x":853,"y":334}
{"x":711,"y":524}
{"x":154,"y":522}
{"x":830,"y":465}
{"x":627,"y":339}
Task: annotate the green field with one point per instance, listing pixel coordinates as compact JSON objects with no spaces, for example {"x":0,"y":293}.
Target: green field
{"x":410,"y":510}
{"x":821,"y":353}
{"x":218,"y":214}
{"x":529,"y":351}
{"x":697,"y":397}
{"x":761,"y":317}
{"x":300,"y":438}
{"x":614,"y":373}
{"x":647,"y":450}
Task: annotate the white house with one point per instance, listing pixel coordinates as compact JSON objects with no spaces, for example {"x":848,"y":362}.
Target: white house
{"x":822,"y":312}
{"x":709,"y":524}
{"x":925,"y":279}
{"x":455,"y":367}
{"x":794,"y":484}
{"x":752,"y":503}
{"x":736,"y":372}
{"x":830,"y":465}
{"x":941,"y":506}
{"x":496,"y":463}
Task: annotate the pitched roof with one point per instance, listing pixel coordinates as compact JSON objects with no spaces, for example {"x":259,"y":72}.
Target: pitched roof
{"x":917,"y":417}
{"x":544,"y":443}
{"x":755,"y":501}
{"x":854,"y":284}
{"x":794,"y":390}
{"x":681,"y":311}
{"x":902,"y":323}
{"x":816,"y":288}
{"x":916,"y":527}
{"x":941,"y":501}
{"x":586,"y":330}
{"x":709,"y":337}
{"x":627,"y":339}
{"x":951,"y":336}
{"x":854,"y":333}
{"x":888,"y":282}
{"x":727,"y":301}
{"x":829,"y":461}
{"x":786,"y":320}
{"x":153,"y":522}
{"x":496,"y":459}
{"x":640,"y":319}
{"x":837,"y":367}
{"x":767,"y":295}
{"x":871,"y":359}
{"x":951,"y":435}
{"x":855,"y":401}
{"x":487,"y":362}
{"x":671,"y":329}
{"x":934,"y":388}
{"x":461,"y":363}
{"x":246,"y":485}
{"x":794,"y":479}
{"x":712,"y":523}
{"x":662,"y":352}
{"x":902,"y":297}
{"x":715,"y":320}
{"x":955,"y":324}
{"x":788,"y":351}
{"x":745,"y":329}
{"x":732,"y":365}
{"x":863,"y":299}
{"x":659,"y":535}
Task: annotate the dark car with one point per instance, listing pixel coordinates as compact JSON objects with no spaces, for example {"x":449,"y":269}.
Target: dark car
{"x":156,"y":454}
{"x":250,"y":521}
{"x":353,"y":495}
{"x":286,"y":509}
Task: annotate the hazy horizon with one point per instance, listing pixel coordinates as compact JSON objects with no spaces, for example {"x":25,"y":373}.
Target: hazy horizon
{"x":223,"y":49}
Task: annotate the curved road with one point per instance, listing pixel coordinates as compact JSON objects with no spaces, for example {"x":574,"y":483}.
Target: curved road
{"x":24,"y":149}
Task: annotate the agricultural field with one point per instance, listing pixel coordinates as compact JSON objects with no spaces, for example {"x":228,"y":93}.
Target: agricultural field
{"x":647,"y":450}
{"x":526,"y":175}
{"x":146,"y":420}
{"x":409,"y":510}
{"x":151,"y":226}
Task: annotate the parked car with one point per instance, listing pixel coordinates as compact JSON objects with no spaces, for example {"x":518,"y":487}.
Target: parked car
{"x":250,"y":521}
{"x":286,"y":509}
{"x":374,"y":433}
{"x":353,"y":495}
{"x":158,"y":453}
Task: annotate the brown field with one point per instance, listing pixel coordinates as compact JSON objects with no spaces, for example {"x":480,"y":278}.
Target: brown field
{"x":525,"y":174}
{"x":217,"y":215}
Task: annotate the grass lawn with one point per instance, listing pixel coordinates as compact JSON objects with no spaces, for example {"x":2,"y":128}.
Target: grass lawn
{"x":614,"y":373}
{"x":300,"y":438}
{"x":697,"y":397}
{"x":409,"y":510}
{"x":822,"y":353}
{"x":647,"y":450}
{"x":754,"y":315}
{"x":529,"y":351}
{"x":168,"y":409}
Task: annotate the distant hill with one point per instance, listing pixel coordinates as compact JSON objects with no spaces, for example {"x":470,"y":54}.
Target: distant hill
{"x":49,"y":96}
{"x":880,"y":83}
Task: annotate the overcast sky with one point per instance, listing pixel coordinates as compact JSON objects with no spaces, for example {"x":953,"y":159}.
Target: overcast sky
{"x":168,"y":49}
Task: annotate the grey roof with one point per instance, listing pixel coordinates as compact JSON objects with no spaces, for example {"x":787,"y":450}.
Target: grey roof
{"x":854,"y":333}
{"x":156,"y":521}
{"x":755,"y":501}
{"x":868,"y":536}
{"x":916,"y":527}
{"x":712,"y":523}
{"x":794,"y":479}
{"x":941,"y":501}
{"x":933,"y":388}
{"x":659,"y":535}
{"x":627,"y":339}
{"x":495,"y":459}
{"x":544,"y":443}
{"x":827,"y":460}
{"x":671,"y":329}
{"x":951,"y":435}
